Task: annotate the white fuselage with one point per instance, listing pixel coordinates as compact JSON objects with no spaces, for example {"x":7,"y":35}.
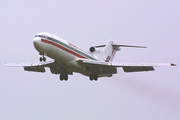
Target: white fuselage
{"x":62,"y":51}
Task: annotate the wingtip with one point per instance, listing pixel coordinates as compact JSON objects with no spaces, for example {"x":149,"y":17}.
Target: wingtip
{"x":173,"y":64}
{"x":5,"y":64}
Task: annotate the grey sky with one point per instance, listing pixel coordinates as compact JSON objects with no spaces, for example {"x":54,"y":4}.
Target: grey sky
{"x":137,"y":96}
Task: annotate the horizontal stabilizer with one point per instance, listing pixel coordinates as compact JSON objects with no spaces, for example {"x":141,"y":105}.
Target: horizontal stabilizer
{"x":122,"y":46}
{"x":100,"y":46}
{"x":129,"y":46}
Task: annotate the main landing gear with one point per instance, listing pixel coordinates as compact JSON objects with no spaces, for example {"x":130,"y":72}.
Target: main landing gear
{"x":93,"y":77}
{"x":42,"y":58}
{"x":63,"y":77}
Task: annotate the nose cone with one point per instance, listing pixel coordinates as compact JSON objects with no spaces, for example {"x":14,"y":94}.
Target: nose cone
{"x":37,"y":42}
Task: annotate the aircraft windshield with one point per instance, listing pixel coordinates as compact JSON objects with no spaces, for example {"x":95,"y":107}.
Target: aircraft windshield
{"x":44,"y":36}
{"x":39,"y":36}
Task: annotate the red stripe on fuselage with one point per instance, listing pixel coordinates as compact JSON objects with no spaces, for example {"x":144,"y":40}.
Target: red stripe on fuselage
{"x":63,"y":48}
{"x":113,"y":49}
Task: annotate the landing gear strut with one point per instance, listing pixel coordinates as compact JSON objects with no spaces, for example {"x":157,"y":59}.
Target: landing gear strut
{"x":63,"y":77}
{"x":93,"y":77}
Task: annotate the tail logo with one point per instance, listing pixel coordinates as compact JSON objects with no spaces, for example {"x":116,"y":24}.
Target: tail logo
{"x":108,"y":58}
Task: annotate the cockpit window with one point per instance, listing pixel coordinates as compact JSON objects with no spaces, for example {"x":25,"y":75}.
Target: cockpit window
{"x":38,"y":36}
{"x":41,"y":36}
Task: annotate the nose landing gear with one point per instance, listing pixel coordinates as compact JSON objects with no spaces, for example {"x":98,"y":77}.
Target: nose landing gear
{"x":42,"y":58}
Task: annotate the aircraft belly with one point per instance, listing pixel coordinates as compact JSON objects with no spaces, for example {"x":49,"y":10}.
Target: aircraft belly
{"x":99,"y":70}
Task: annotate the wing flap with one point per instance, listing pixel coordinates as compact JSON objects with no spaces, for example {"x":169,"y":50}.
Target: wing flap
{"x":55,"y":67}
{"x":127,"y":67}
{"x":137,"y":69}
{"x":35,"y":69}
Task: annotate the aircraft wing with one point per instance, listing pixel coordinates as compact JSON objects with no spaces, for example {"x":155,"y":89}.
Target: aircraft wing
{"x":36,"y":67}
{"x":127,"y":67}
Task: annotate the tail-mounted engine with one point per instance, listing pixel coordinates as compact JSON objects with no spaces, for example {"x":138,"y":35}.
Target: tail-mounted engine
{"x":96,"y":52}
{"x":92,"y":49}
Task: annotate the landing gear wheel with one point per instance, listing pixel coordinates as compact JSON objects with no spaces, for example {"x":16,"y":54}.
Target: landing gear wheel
{"x":93,"y":77}
{"x":63,"y":77}
{"x":42,"y":59}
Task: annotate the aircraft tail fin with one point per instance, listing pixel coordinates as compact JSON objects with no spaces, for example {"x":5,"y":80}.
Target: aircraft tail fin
{"x":109,"y":51}
{"x":111,"y":48}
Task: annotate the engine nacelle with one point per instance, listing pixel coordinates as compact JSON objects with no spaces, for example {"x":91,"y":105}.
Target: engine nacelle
{"x":92,"y":49}
{"x":96,"y":53}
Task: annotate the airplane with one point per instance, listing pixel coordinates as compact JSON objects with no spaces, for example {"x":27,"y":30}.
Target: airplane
{"x":68,"y":58}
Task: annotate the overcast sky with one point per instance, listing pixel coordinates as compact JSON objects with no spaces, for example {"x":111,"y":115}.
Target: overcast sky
{"x":127,"y":96}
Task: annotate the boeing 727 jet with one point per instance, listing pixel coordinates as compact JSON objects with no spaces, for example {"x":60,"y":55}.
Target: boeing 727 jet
{"x":68,"y":58}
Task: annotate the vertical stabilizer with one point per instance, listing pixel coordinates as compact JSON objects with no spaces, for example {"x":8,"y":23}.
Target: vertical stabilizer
{"x":109,"y":51}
